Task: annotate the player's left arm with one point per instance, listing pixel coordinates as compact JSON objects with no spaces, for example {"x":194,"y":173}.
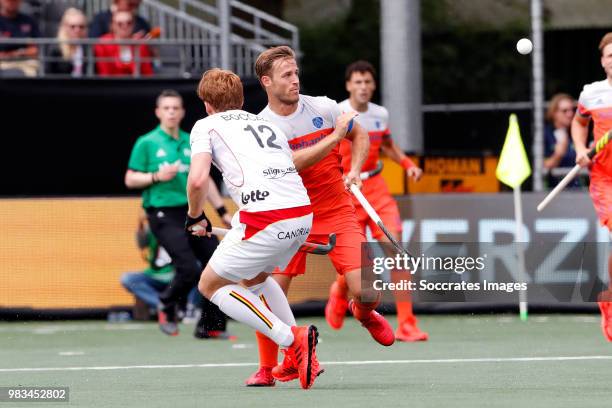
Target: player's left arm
{"x":359,"y":152}
{"x":392,"y":151}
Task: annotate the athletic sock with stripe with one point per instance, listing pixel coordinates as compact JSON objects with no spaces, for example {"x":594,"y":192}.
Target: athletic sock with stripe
{"x":243,"y":306}
{"x":272,"y":295}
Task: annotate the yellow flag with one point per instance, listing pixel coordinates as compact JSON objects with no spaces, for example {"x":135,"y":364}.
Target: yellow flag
{"x":513,"y":167}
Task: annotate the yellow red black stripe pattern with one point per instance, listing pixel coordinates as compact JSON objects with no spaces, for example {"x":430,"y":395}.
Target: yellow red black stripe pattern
{"x":263,"y":300}
{"x":248,"y":304}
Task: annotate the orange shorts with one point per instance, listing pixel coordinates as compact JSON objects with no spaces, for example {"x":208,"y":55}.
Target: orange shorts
{"x":601,"y":194}
{"x":346,"y":255}
{"x":376,"y":192}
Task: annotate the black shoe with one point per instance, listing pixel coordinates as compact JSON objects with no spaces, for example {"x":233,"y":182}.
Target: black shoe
{"x":167,"y":319}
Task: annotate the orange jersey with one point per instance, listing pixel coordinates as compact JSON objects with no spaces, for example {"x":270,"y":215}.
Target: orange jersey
{"x":313,"y":120}
{"x":595,"y":102}
{"x":375,"y":122}
{"x":600,"y":190}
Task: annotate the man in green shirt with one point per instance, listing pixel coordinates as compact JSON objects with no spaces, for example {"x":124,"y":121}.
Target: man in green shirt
{"x":159,"y":165}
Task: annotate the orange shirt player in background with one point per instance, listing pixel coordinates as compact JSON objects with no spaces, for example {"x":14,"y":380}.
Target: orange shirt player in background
{"x":360,"y":84}
{"x":595,"y":103}
{"x":314,"y":126}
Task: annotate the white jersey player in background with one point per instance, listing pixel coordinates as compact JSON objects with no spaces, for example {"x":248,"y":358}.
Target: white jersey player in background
{"x":273,"y":220}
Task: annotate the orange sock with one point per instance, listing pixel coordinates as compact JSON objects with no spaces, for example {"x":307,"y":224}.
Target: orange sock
{"x":268,"y":351}
{"x":403,"y":302}
{"x":404,"y":313}
{"x":340,"y":289}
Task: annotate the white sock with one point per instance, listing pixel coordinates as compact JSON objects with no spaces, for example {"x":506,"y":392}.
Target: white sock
{"x":272,"y":295}
{"x":241,"y":305}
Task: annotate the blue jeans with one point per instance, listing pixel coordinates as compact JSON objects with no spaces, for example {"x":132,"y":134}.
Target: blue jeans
{"x":143,"y":287}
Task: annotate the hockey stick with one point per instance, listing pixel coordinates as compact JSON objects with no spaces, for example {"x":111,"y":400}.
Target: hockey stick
{"x":376,"y":218}
{"x":309,"y":247}
{"x":599,"y":146}
{"x":364,"y":175}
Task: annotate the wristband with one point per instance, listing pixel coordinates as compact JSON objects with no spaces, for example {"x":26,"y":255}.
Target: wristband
{"x":350,"y":126}
{"x":154,"y":179}
{"x":406,"y":163}
{"x":189,"y":222}
{"x":221,"y":211}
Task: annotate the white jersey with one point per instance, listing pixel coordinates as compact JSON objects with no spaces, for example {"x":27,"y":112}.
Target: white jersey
{"x":314,"y":115}
{"x":596,"y":95}
{"x":313,"y":120}
{"x":374,"y":119}
{"x":595,"y":102}
{"x":254,"y":158}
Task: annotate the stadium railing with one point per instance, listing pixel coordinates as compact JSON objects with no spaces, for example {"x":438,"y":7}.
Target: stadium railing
{"x":182,"y":58}
{"x":231,"y":33}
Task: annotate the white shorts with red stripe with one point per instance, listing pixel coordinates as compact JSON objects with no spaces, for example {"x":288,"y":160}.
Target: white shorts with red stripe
{"x":261,"y":242}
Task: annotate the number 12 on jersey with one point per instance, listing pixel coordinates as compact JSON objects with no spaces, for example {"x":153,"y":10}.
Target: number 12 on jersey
{"x":263,"y":129}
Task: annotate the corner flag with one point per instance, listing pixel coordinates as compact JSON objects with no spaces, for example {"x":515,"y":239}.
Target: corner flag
{"x":513,"y":167}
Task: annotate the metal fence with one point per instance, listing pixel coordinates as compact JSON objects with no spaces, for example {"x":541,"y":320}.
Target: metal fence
{"x":186,"y":59}
{"x":195,"y":35}
{"x":232,"y":33}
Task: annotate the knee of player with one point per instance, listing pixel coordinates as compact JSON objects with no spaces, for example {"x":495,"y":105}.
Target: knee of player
{"x":209,"y":283}
{"x":205,"y":288}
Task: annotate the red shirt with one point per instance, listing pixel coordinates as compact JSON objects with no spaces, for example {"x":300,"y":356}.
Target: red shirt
{"x":112,"y":64}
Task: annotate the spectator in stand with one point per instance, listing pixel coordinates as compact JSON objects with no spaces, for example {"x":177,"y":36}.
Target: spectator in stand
{"x":67,"y":58}
{"x":115,"y":59}
{"x":101,"y":22}
{"x":558,"y":146}
{"x":19,"y":58}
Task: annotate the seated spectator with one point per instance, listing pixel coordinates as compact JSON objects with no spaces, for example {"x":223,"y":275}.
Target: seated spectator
{"x":558,"y":147}
{"x":20,"y":58}
{"x":67,"y":58}
{"x":146,"y":285}
{"x":101,"y":22}
{"x":114,"y":59}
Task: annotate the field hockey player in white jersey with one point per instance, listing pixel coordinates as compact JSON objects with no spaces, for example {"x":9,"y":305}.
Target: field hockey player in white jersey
{"x":273,"y":220}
